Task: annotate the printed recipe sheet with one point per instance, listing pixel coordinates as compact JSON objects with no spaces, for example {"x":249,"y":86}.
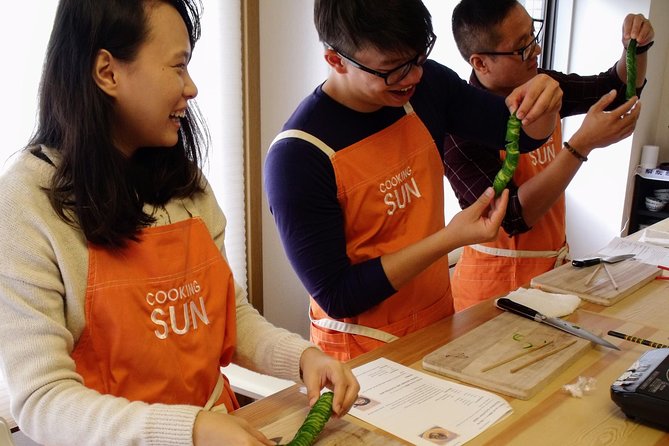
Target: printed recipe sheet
{"x":423,"y":409}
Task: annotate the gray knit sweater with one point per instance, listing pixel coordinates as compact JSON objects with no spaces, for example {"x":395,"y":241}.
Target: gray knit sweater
{"x":43,"y":270}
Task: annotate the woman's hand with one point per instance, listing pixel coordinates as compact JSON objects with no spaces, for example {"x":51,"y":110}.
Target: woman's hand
{"x":320,"y":370}
{"x":218,"y":429}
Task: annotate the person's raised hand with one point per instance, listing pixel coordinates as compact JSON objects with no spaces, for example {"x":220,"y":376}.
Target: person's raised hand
{"x":638,"y":27}
{"x":601,"y":128}
{"x":536,"y":98}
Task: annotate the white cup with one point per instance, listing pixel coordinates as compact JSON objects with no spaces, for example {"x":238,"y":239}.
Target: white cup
{"x":649,"y":155}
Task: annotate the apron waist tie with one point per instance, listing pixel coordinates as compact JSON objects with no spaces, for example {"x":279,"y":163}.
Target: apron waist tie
{"x":560,"y":255}
{"x":215,"y":395}
{"x":355,"y":329}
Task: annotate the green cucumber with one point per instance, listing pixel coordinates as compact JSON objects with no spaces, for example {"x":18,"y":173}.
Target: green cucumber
{"x":512,"y":155}
{"x":630,"y":62}
{"x":314,"y":422}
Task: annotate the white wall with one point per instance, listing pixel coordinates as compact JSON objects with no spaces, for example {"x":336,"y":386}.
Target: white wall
{"x":291,"y":66}
{"x":22,"y":69}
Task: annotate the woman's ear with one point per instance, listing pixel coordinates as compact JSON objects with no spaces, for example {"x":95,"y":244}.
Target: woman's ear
{"x":335,"y":60}
{"x":104,"y":74}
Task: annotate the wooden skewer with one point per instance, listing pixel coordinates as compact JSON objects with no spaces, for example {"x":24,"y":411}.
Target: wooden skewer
{"x":515,"y":356}
{"x":594,"y":273}
{"x":545,"y":355}
{"x":608,"y":271}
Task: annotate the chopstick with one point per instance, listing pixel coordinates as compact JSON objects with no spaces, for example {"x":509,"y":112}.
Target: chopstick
{"x":545,"y":355}
{"x":666,"y":268}
{"x":606,"y":268}
{"x":514,"y":356}
{"x":636,"y":339}
{"x":594,"y":273}
{"x":608,"y":272}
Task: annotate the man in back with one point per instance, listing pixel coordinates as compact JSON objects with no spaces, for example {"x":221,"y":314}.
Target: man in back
{"x":501,"y":42}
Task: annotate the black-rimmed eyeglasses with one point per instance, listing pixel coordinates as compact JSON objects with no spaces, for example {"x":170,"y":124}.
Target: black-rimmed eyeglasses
{"x":394,"y":75}
{"x":525,"y":52}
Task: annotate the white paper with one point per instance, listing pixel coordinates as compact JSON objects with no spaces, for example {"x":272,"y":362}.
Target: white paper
{"x":643,"y":252}
{"x":423,"y":409}
{"x":655,"y":237}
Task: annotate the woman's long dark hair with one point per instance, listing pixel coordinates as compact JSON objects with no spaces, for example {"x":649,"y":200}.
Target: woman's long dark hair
{"x":95,"y":186}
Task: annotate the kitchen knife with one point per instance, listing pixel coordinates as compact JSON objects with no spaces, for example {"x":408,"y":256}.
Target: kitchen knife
{"x":580,"y":263}
{"x":521,"y":310}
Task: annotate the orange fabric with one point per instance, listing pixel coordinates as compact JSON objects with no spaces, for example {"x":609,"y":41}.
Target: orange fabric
{"x":160,"y":318}
{"x":390,"y":188}
{"x":479,"y":276}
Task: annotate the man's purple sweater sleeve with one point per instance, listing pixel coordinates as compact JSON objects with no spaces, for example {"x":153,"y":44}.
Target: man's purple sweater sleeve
{"x":300,"y":187}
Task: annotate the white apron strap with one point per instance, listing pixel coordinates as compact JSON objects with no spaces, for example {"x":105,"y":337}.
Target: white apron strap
{"x":215,"y":395}
{"x":559,"y":255}
{"x":308,"y":137}
{"x":355,"y":329}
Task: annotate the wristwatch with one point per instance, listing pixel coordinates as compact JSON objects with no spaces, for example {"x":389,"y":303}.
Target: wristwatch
{"x":643,"y":49}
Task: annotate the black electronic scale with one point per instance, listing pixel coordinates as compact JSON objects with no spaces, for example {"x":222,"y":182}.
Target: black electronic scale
{"x":642,"y":392}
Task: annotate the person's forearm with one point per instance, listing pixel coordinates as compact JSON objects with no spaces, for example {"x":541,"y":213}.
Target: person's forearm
{"x":403,"y":265}
{"x":538,"y":194}
{"x":475,"y":224}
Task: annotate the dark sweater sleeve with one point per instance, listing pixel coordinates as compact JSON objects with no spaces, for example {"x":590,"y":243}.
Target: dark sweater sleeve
{"x":302,"y":195}
{"x":581,"y":92}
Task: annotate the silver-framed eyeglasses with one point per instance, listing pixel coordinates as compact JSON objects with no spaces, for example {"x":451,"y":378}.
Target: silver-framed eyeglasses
{"x":528,"y":50}
{"x":394,"y":75}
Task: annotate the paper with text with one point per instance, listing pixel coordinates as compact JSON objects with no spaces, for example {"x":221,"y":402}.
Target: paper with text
{"x":423,"y":409}
{"x":643,"y":252}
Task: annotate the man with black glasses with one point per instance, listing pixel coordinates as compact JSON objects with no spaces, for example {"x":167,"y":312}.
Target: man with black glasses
{"x":355,"y":180}
{"x":502,"y":44}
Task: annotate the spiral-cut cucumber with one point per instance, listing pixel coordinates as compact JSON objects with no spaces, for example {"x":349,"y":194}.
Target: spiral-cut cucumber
{"x":512,"y":154}
{"x":630,"y":62}
{"x":314,"y":422}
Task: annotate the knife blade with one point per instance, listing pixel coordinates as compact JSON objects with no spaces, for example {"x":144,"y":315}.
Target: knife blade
{"x":530,"y":313}
{"x":580,"y":263}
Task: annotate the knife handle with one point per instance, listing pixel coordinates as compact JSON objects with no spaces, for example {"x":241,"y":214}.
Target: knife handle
{"x":519,"y":309}
{"x":580,"y":263}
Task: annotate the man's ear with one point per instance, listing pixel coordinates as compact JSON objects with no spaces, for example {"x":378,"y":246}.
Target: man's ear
{"x":335,"y":60}
{"x":478,"y":63}
{"x":104,"y":73}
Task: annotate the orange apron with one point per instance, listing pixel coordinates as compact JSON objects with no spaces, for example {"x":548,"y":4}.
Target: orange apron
{"x":390,"y":188}
{"x":494,"y":269}
{"x":160,"y":319}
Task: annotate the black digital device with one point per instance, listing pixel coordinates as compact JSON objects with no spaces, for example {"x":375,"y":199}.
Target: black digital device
{"x":642,"y":392}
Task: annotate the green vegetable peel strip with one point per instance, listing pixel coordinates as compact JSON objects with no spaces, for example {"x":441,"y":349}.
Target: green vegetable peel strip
{"x":630,"y":62}
{"x":314,"y":422}
{"x":512,"y":154}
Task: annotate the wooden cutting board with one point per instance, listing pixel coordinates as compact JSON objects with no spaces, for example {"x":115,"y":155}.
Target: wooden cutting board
{"x":337,"y":431}
{"x":502,"y":337}
{"x":630,"y":275}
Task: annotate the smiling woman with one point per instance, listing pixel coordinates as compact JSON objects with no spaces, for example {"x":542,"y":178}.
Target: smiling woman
{"x":220,"y":101}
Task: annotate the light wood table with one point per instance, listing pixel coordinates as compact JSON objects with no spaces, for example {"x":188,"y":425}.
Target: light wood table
{"x":552,"y":417}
